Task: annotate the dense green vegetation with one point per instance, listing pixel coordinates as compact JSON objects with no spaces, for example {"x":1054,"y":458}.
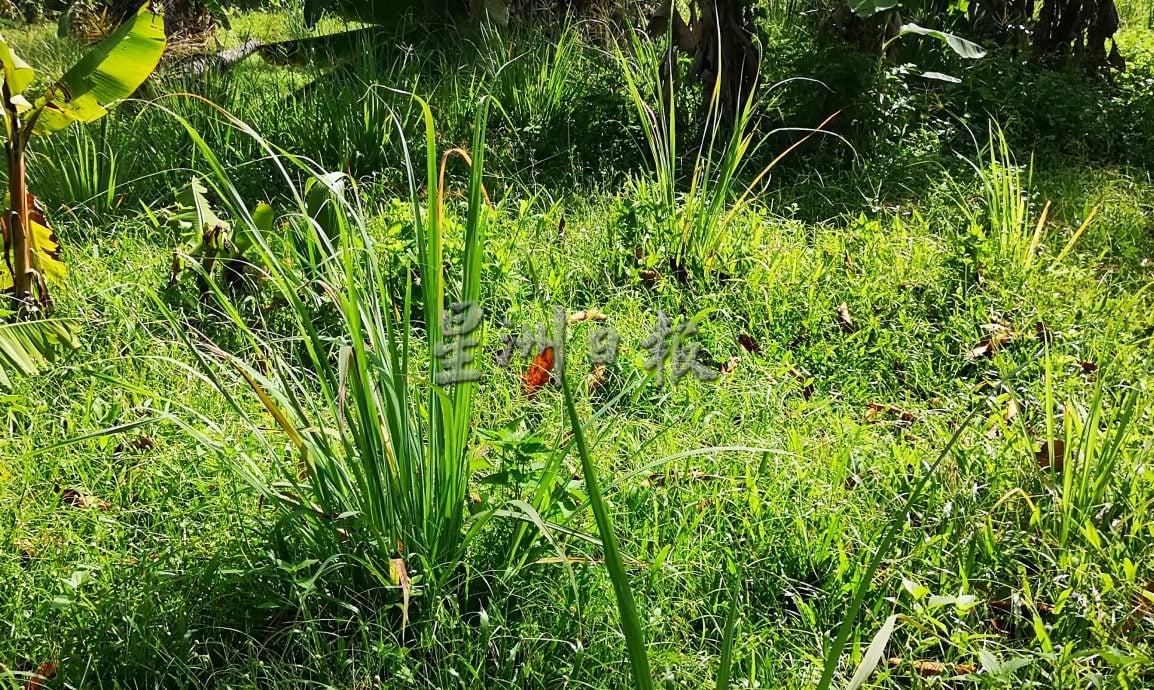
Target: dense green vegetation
{"x":922,"y":415}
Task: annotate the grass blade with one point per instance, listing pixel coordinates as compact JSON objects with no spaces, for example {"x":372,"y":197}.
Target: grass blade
{"x":630,"y":620}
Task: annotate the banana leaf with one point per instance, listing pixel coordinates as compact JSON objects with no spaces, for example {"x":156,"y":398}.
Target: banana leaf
{"x":112,"y":71}
{"x":26,"y":347}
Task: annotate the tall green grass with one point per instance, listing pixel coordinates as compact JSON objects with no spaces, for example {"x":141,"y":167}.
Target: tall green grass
{"x":82,"y":172}
{"x":1006,"y":232}
{"x":532,"y":79}
{"x":701,"y":185}
{"x":365,"y":455}
{"x":862,"y":587}
{"x":1085,"y":445}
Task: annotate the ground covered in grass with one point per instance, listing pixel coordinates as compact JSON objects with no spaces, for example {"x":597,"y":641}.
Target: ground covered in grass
{"x":953,"y":290}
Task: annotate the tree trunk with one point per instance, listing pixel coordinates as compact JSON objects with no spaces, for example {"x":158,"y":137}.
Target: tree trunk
{"x":717,"y":35}
{"x":726,"y":54}
{"x":16,"y":224}
{"x":1078,"y":29}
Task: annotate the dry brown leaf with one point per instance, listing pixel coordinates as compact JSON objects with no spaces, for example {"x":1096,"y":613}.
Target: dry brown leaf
{"x":590,"y":314}
{"x":982,"y":349}
{"x":875,"y":410}
{"x":1143,"y":608}
{"x":1088,"y":368}
{"x":33,"y":547}
{"x":933,"y":668}
{"x":141,"y":443}
{"x":996,"y":336}
{"x":43,"y":673}
{"x":1011,"y":410}
{"x":648,"y":276}
{"x":598,"y":375}
{"x":27,"y":549}
{"x":805,"y":380}
{"x":400,"y":576}
{"x":79,"y":499}
{"x":1058,"y":446}
{"x":844,"y":319}
{"x":748,"y":343}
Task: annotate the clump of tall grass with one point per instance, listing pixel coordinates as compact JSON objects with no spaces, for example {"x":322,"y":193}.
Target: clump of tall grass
{"x":1002,"y":225}
{"x":533,"y":79}
{"x":701,"y":194}
{"x":366,"y":453}
{"x":1091,"y":452}
{"x":82,"y":172}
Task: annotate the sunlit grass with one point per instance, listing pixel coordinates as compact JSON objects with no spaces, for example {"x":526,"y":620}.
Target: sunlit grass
{"x":749,"y":514}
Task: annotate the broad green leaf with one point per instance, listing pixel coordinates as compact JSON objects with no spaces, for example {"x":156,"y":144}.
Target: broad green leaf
{"x":27,"y":346}
{"x":22,"y":104}
{"x":46,"y":254}
{"x":322,"y":198}
{"x":264,"y":218}
{"x":939,"y":76}
{"x":17,"y":74}
{"x":964,"y":48}
{"x":193,"y":198}
{"x":45,"y":245}
{"x":205,"y":234}
{"x":873,"y":654}
{"x":864,"y":8}
{"x":112,"y":71}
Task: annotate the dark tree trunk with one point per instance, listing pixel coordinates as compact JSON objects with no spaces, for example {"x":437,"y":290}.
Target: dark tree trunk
{"x":726,"y":54}
{"x":718,"y":37}
{"x":1080,"y":29}
{"x":871,"y":34}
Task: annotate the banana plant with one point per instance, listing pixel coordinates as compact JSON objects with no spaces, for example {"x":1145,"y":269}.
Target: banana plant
{"x":210,"y":240}
{"x":109,"y":73}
